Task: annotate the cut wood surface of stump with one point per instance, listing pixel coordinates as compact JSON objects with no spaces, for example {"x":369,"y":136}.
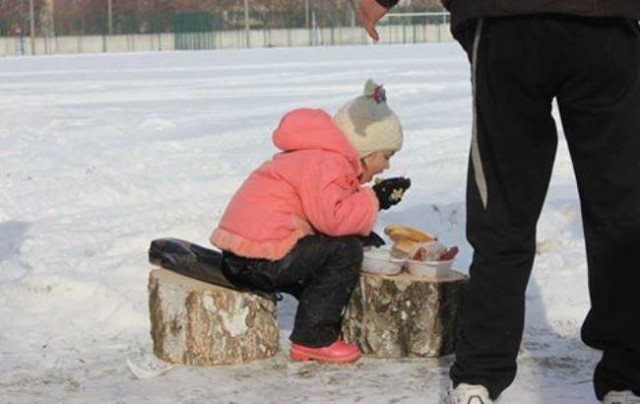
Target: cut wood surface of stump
{"x":405,"y":315}
{"x":197,"y":323}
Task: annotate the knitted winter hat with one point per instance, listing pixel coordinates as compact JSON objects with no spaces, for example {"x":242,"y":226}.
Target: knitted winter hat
{"x":368,"y":123}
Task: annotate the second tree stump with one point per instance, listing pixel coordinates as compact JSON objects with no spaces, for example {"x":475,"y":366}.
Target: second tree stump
{"x":405,"y":315}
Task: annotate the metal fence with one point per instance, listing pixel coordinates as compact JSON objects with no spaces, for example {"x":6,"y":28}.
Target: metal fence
{"x":47,"y":30}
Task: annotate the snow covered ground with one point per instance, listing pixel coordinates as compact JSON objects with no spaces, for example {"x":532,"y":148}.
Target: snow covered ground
{"x":100,"y":154}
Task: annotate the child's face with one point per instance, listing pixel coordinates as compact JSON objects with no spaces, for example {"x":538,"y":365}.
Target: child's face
{"x":373,"y":164}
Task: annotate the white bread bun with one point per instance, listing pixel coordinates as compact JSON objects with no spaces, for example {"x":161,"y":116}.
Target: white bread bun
{"x":398,"y":232}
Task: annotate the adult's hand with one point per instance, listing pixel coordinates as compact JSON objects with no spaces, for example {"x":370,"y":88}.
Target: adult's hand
{"x":369,"y":13}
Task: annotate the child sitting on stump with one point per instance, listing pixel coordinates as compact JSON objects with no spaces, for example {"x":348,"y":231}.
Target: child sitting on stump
{"x":299,"y":222}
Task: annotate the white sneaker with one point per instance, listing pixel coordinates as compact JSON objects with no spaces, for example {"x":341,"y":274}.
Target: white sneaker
{"x":468,"y":394}
{"x":621,"y":397}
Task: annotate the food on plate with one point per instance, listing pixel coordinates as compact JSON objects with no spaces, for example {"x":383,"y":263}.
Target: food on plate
{"x":432,"y":251}
{"x":400,"y":248}
{"x":450,"y":253}
{"x":418,"y":253}
{"x":417,"y":245}
{"x":400,"y":232}
{"x":404,"y":238}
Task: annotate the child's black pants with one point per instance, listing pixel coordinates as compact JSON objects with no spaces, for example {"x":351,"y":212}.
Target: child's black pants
{"x":320,"y":271}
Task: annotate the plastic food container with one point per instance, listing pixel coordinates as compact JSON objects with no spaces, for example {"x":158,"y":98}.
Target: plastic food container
{"x":428,"y":268}
{"x":379,"y":261}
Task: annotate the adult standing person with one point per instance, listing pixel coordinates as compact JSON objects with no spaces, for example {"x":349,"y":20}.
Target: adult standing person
{"x":523,"y":55}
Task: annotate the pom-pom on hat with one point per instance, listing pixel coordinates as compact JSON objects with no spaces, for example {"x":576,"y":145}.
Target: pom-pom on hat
{"x":368,"y":122}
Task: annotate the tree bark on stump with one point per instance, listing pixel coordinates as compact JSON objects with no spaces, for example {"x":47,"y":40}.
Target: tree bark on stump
{"x":197,"y":323}
{"x":405,"y":315}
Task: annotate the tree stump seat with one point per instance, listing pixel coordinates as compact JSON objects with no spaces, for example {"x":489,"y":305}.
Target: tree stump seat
{"x":198,"y":323}
{"x":405,"y":315}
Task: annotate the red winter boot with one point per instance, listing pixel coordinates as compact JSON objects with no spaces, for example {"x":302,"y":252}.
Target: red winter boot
{"x":338,"y":352}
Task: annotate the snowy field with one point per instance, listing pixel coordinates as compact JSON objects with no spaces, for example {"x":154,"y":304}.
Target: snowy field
{"x":103,"y":153}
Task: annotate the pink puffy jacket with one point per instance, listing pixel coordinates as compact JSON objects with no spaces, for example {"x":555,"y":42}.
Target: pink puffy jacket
{"x":311,"y":186}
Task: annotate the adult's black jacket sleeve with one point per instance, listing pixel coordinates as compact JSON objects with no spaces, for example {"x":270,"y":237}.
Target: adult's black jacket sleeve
{"x":465,"y":10}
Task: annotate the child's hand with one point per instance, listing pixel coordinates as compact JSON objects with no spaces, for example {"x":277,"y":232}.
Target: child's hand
{"x":372,"y":240}
{"x":391,"y":190}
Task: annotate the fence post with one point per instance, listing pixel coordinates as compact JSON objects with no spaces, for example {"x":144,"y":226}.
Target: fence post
{"x":314,"y":29}
{"x":32,"y":27}
{"x":307,"y":21}
{"x":110,"y":17}
{"x":246,"y":23}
